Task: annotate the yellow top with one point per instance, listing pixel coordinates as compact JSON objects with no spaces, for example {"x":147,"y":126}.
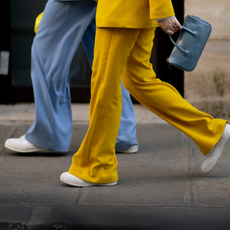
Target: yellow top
{"x":37,"y":22}
{"x":132,"y":13}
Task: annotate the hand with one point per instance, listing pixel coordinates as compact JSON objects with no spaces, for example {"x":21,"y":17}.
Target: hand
{"x":170,"y":25}
{"x":95,"y":1}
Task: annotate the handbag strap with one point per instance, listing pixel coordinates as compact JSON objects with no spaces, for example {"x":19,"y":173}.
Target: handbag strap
{"x":185,"y":52}
{"x":195,"y":34}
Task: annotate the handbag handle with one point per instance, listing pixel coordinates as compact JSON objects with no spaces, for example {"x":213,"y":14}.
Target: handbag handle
{"x":185,"y":52}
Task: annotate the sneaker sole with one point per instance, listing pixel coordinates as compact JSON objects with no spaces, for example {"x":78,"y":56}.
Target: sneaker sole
{"x":69,"y":179}
{"x":25,"y":151}
{"x":132,"y":149}
{"x":223,"y":140}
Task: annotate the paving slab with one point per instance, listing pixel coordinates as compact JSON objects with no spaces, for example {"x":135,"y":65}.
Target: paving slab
{"x":212,"y":191}
{"x":6,"y":132}
{"x":36,"y":192}
{"x":80,"y":113}
{"x":142,"y":190}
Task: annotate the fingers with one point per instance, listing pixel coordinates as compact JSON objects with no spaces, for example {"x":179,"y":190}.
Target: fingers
{"x":172,"y":30}
{"x":178,"y":24}
{"x":173,"y":26}
{"x":170,"y":25}
{"x":169,"y":32}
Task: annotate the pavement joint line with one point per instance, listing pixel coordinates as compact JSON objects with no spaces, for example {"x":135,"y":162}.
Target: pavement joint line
{"x":77,"y":197}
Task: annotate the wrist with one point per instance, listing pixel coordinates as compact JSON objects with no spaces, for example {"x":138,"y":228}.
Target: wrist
{"x":161,"y":19}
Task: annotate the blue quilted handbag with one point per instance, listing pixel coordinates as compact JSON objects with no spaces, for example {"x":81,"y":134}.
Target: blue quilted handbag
{"x":190,"y":44}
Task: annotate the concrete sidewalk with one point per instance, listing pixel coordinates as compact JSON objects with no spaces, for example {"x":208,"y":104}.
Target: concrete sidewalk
{"x":160,"y":187}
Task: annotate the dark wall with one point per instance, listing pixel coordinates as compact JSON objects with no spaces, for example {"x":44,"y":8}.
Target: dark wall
{"x":23,"y":15}
{"x":17,"y":20}
{"x":162,"y":49}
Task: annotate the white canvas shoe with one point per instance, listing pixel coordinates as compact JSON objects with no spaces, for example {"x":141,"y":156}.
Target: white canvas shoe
{"x":70,"y":179}
{"x":22,"y":145}
{"x":213,"y":156}
{"x":131,"y":149}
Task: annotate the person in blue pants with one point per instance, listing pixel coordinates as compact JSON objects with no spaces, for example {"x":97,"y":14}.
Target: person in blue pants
{"x":63,"y":26}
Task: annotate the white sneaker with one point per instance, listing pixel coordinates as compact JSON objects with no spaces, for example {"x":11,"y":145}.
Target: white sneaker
{"x":22,"y":145}
{"x":70,"y":179}
{"x":213,"y":156}
{"x":131,"y":149}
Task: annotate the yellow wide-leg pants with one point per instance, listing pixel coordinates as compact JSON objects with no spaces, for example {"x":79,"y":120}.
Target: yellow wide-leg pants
{"x":125,"y":53}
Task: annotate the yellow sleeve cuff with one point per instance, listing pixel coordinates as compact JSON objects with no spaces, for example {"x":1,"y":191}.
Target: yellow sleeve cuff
{"x":161,"y":9}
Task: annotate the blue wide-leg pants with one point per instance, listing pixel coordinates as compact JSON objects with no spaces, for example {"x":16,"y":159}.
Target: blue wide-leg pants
{"x":64,"y":24}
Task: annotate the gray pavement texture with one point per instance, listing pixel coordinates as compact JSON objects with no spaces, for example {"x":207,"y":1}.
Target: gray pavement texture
{"x":160,"y":187}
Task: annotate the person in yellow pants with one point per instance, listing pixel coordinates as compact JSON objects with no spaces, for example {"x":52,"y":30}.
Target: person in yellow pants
{"x":123,"y":45}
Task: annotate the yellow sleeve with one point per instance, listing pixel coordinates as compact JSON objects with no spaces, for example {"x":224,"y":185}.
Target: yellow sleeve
{"x":161,"y":9}
{"x":37,"y":22}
